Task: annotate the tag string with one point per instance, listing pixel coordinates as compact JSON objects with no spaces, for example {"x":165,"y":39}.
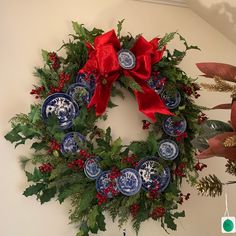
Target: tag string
{"x":226,"y":206}
{"x":124,"y":232}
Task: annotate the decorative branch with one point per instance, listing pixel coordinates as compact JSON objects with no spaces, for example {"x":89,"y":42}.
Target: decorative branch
{"x":220,"y":86}
{"x":231,"y":167}
{"x":210,"y":186}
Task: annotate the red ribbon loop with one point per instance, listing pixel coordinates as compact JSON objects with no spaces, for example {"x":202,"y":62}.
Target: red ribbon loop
{"x":103,"y":63}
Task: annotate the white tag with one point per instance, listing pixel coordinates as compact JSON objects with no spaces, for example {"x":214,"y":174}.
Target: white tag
{"x":228,"y":225}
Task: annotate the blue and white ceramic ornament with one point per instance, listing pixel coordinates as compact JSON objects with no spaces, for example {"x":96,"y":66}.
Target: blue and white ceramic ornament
{"x":61,"y":105}
{"x":103,"y":182}
{"x":91,"y":168}
{"x":129,"y":182}
{"x":70,"y":143}
{"x":171,"y":101}
{"x":80,"y":93}
{"x":153,"y":174}
{"x":168,"y":149}
{"x":127,"y":59}
{"x":173,"y":127}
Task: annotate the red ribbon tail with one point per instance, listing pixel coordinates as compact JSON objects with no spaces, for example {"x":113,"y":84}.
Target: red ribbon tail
{"x":150,"y":103}
{"x":101,"y":95}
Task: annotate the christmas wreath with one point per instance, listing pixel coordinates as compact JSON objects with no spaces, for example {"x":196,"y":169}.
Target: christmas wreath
{"x":75,"y":159}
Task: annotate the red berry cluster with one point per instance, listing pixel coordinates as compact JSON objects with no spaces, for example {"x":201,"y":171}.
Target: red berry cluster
{"x":181,"y":136}
{"x":101,"y":199}
{"x":84,"y":154}
{"x":179,"y":170}
{"x":46,"y":168}
{"x":134,"y":209}
{"x":111,"y":190}
{"x":192,"y":90}
{"x":146,"y":124}
{"x":202,"y":118}
{"x":154,"y":192}
{"x":54,"y":59}
{"x":158,"y":212}
{"x":63,"y":78}
{"x":130,"y":160}
{"x":54,"y":145}
{"x":182,"y":197}
{"x":200,"y":166}
{"x":78,"y":163}
{"x":37,"y":91}
{"x":114,"y":174}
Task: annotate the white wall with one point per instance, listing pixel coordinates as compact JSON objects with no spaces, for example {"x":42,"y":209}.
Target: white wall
{"x":26,"y":27}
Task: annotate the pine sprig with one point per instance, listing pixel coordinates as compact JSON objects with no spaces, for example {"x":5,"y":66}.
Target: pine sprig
{"x":231,"y":167}
{"x":210,"y":186}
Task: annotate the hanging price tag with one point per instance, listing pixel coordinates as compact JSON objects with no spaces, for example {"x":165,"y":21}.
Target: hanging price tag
{"x":227,"y":222}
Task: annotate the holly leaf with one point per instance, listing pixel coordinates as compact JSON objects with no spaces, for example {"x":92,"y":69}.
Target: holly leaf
{"x":45,"y":55}
{"x":119,"y":27}
{"x":13,"y":135}
{"x":169,"y":221}
{"x":179,"y":214}
{"x":35,"y":114}
{"x":35,"y":176}
{"x":37,"y":146}
{"x":116,"y":146}
{"x":101,"y":222}
{"x":152,"y":143}
{"x":34,"y":189}
{"x":129,"y":82}
{"x":117,"y":92}
{"x":79,"y":29}
{"x":47,"y":194}
{"x":111,"y":104}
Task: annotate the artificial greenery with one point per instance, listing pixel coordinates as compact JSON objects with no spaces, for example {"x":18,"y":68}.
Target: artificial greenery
{"x":58,"y":180}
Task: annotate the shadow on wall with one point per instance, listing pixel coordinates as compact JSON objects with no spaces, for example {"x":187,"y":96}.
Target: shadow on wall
{"x":221,"y":15}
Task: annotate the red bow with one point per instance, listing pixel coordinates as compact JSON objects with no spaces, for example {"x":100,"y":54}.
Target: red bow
{"x":103,"y":63}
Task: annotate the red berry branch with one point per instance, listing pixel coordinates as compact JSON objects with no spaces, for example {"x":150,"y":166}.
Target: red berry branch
{"x":54,"y":60}
{"x":182,"y":197}
{"x":200,"y":166}
{"x":134,"y":209}
{"x":46,"y":168}
{"x":179,"y":170}
{"x":158,"y":212}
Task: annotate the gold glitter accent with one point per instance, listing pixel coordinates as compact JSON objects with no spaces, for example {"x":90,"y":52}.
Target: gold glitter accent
{"x":230,"y":142}
{"x":220,"y":86}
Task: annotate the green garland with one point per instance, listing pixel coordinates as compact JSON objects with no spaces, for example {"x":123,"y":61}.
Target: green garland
{"x":61,"y":176}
